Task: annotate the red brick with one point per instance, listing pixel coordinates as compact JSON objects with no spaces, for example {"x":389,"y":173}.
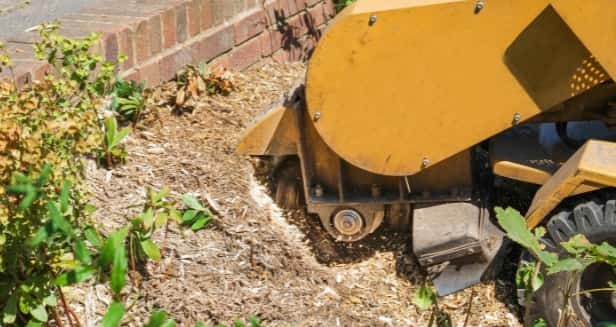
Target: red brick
{"x":330,"y":9}
{"x":131,"y":75}
{"x":221,"y":61}
{"x":249,"y":26}
{"x":112,"y":48}
{"x":207,"y":17}
{"x":246,"y":54}
{"x":150,"y":73}
{"x":142,"y":41}
{"x":168,"y":28}
{"x":224,"y":10}
{"x":28,"y":70}
{"x":125,"y":41}
{"x":271,"y":41}
{"x":213,"y":45}
{"x":194,"y":17}
{"x":173,"y":62}
{"x":156,"y":34}
{"x":277,"y":11}
{"x":318,"y":15}
{"x":298,"y":24}
{"x":181,"y":23}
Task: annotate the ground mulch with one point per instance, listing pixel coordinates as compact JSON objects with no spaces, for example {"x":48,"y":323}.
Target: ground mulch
{"x":257,"y":259}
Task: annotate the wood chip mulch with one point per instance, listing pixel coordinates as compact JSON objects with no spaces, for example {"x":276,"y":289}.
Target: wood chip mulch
{"x":257,"y":260}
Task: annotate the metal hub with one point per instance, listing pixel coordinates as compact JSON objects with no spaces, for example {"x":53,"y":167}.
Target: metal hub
{"x":348,"y":222}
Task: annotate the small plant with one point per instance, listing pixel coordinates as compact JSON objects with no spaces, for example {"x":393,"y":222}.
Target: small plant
{"x":113,"y":151}
{"x":128,"y":100}
{"x":196,"y":216}
{"x":425,"y":299}
{"x":580,"y":253}
{"x":194,"y":81}
{"x":156,"y":213}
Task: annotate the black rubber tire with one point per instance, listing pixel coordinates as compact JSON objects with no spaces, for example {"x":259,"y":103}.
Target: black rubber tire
{"x":592,"y":215}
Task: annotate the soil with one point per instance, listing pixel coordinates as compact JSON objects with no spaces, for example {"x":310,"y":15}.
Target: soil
{"x":257,"y":260}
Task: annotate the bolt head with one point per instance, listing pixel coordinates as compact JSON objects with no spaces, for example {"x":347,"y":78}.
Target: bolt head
{"x":372,"y":19}
{"x":479,"y":6}
{"x":425,"y":162}
{"x":318,"y":190}
{"x":316,"y":116}
{"x":516,"y":118}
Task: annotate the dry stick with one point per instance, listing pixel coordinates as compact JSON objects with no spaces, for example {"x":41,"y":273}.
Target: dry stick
{"x":469,"y":309}
{"x":69,"y":313}
{"x":56,"y":317}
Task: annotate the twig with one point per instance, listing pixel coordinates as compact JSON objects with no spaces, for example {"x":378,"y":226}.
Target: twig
{"x":469,"y":308}
{"x":69,"y":313}
{"x":56,"y":317}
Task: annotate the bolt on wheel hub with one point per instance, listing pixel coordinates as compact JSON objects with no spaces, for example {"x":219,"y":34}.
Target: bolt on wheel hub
{"x":348,"y":222}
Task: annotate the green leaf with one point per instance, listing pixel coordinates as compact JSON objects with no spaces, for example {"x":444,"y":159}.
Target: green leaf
{"x":50,"y":301}
{"x":9,"y":314}
{"x":115,"y":241}
{"x":118,"y":271}
{"x":548,"y":258}
{"x":602,"y":324}
{"x":148,"y":219}
{"x":74,"y":276}
{"x":39,"y":313}
{"x":540,"y":323}
{"x":157,"y":319}
{"x":424,"y":298}
{"x":161,"y":219}
{"x":41,"y":236}
{"x":199,"y":324}
{"x":169,"y":323}
{"x":64,"y":196}
{"x":188,"y":216}
{"x":114,"y":315}
{"x":577,"y":244}
{"x":515,"y":226}
{"x":150,"y":249}
{"x":239,"y":323}
{"x":191,"y":202}
{"x":34,"y":323}
{"x":254,"y":322}
{"x":93,"y":238}
{"x":122,"y":134}
{"x":81,"y":252}
{"x":111,"y":129}
{"x":569,"y":264}
{"x":58,"y":221}
{"x":201,"y":222}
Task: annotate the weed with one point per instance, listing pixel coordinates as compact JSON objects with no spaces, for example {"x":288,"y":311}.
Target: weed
{"x":580,"y":254}
{"x":196,"y":216}
{"x":128,"y":100}
{"x":113,"y":151}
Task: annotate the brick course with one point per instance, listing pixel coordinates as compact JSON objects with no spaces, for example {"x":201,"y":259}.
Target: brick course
{"x":159,"y":37}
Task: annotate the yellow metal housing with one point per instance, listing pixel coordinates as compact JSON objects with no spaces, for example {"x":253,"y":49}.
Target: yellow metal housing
{"x":401,"y":84}
{"x":593,"y":165}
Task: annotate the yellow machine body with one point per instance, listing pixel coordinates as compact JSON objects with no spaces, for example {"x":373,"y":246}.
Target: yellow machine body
{"x":426,"y":79}
{"x":407,"y":104}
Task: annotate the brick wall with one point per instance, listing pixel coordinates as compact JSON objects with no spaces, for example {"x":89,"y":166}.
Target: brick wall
{"x":160,"y":36}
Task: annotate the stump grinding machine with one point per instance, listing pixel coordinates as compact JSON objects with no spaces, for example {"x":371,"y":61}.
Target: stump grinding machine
{"x":413,"y":112}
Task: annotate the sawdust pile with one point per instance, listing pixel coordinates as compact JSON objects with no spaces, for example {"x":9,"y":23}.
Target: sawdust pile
{"x":257,"y":260}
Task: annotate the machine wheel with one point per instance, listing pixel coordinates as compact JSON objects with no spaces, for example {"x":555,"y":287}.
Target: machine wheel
{"x":594,"y":217}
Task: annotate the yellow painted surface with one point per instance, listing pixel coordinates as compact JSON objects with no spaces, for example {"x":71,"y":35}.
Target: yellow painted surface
{"x":429,"y":78}
{"x":274,"y":133}
{"x":593,"y":165}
